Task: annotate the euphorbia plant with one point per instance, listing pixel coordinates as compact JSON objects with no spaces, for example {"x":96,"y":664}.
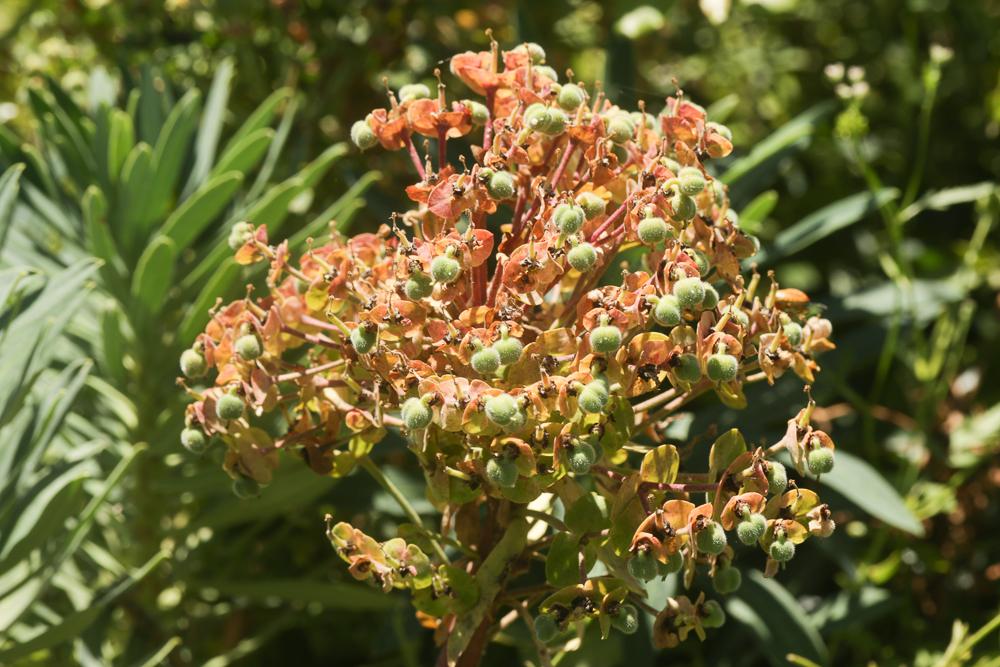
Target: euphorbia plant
{"x":532,"y":372}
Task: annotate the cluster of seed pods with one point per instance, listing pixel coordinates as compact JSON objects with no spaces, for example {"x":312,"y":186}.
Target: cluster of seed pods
{"x":556,"y":293}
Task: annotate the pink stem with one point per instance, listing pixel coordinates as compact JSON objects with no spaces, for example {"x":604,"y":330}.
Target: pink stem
{"x":415,"y":158}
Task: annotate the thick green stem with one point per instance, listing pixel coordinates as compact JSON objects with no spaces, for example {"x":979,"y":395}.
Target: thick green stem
{"x":403,"y":503}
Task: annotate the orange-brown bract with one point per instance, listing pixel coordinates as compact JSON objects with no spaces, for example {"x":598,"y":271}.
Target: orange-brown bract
{"x":577,"y":372}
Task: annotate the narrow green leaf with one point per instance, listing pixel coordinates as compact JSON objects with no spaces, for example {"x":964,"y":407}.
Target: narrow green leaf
{"x":100,"y":242}
{"x":73,"y":624}
{"x":853,"y":608}
{"x":246,"y":154}
{"x":274,"y":152}
{"x":794,"y":132}
{"x":261,"y":117}
{"x":151,"y":105}
{"x":319,"y":226}
{"x":132,"y":213}
{"x":190,"y":218}
{"x":9,"y":188}
{"x":940,"y":200}
{"x":860,"y":483}
{"x":723,"y":107}
{"x":154,"y":274}
{"x":776,"y":619}
{"x":34,"y":331}
{"x":36,"y":515}
{"x":121,"y":139}
{"x":172,"y":148}
{"x":210,"y":128}
{"x":197,"y":316}
{"x":112,"y":348}
{"x":159,"y":656}
{"x":754,"y":213}
{"x":272,"y":208}
{"x":314,"y":171}
{"x":329,"y":594}
{"x":824,"y":222}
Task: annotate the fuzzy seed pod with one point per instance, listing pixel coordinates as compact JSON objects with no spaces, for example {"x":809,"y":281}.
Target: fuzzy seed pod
{"x":582,"y":257}
{"x":606,"y":339}
{"x":501,"y":409}
{"x":653,"y":230}
{"x":193,"y":364}
{"x":690,"y":292}
{"x":592,"y":205}
{"x":248,"y":347}
{"x":363,"y":339}
{"x":509,"y":350}
{"x":229,"y":407}
{"x":362,"y":135}
{"x":711,"y":539}
{"x":722,"y":367}
{"x":568,"y":218}
{"x":820,"y":461}
{"x":502,"y":472}
{"x":667,"y":311}
{"x":445,"y":269}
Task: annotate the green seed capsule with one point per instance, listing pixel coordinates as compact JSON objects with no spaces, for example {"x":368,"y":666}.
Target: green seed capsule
{"x":687,"y":368}
{"x":418,"y":286}
{"x":413,"y":91}
{"x":557,"y":122}
{"x":248,"y":347}
{"x":536,"y":117}
{"x":193,"y":364}
{"x":671,"y":164}
{"x":362,"y":135}
{"x":711,"y":539}
{"x":547,"y":72}
{"x":480,"y":114}
{"x":684,"y":207}
{"x":653,"y":230}
{"x":727,"y":580}
{"x":416,"y":414}
{"x":751,"y":528}
{"x":674,"y":564}
{"x":486,"y":361}
{"x":620,"y":129}
{"x":793,"y":332}
{"x":642,"y":566}
{"x":581,"y":457}
{"x":667,"y":311}
{"x":240,"y":234}
{"x":593,"y":398}
{"x":568,"y":218}
{"x":582,"y":257}
{"x":606,"y":339}
{"x":782,"y":550}
{"x":502,"y":472}
{"x":509,"y":350}
{"x":363,"y":339}
{"x":722,"y":367}
{"x":536,"y":52}
{"x":692,"y":181}
{"x":445,"y":269}
{"x":700,"y":260}
{"x":712,"y":615}
{"x":690,"y":292}
{"x":627,"y":620}
{"x":546,"y":628}
{"x":777,"y":478}
{"x":501,"y":185}
{"x":245,"y":488}
{"x":570,"y":97}
{"x":711,"y":299}
{"x":820,"y":461}
{"x":194,"y":440}
{"x":501,"y":409}
{"x":719,"y":128}
{"x":592,"y":205}
{"x":229,"y":407}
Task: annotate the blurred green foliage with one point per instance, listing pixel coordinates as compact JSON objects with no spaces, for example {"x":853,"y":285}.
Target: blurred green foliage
{"x":880,"y":203}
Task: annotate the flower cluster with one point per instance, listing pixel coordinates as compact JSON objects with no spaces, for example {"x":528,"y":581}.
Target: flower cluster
{"x":531,"y":325}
